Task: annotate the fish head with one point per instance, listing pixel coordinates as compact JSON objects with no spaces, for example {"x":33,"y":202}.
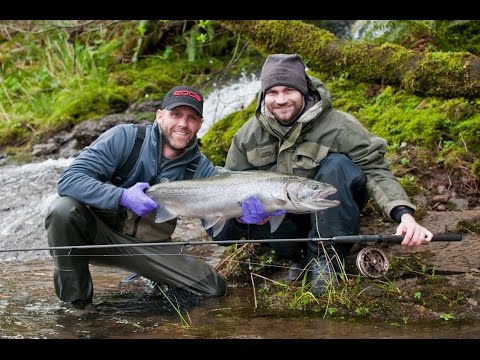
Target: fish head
{"x":308,"y":195}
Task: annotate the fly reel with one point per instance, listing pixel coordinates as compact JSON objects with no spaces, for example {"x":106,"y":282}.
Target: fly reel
{"x":372,"y":262}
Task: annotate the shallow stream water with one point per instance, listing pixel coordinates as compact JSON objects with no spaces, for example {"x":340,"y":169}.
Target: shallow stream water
{"x":29,"y":309}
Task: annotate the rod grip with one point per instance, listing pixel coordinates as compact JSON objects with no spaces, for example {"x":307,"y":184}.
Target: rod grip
{"x":447,"y":237}
{"x":391,"y":238}
{"x":437,"y":237}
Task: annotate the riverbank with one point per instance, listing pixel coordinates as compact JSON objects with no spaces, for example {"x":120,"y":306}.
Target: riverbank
{"x":438,"y":282}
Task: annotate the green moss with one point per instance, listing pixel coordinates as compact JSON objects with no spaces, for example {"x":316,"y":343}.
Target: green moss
{"x":468,"y":131}
{"x":410,"y":185}
{"x":292,"y":36}
{"x":19,"y":157}
{"x":429,"y":122}
{"x":468,"y":226}
{"x":73,"y":105}
{"x":348,"y":96}
{"x":439,"y":73}
{"x":216,"y":142}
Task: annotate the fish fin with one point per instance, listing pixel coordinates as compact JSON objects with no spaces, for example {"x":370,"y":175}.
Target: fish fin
{"x":218,"y":226}
{"x":210,"y":221}
{"x":280,"y":198}
{"x":215,"y":222}
{"x":275,"y":222}
{"x":164,"y":214}
{"x":280,"y":202}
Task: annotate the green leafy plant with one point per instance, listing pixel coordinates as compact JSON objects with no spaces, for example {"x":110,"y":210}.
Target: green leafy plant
{"x":446,"y":316}
{"x":331,"y":310}
{"x":362,"y":311}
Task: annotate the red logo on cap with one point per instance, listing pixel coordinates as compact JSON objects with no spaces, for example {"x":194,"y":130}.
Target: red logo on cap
{"x":187,"y":93}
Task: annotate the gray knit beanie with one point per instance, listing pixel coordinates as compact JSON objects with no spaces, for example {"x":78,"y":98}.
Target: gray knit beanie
{"x":286,"y":70}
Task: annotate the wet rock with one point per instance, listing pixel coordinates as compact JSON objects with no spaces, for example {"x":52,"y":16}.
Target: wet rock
{"x":421,"y":200}
{"x":441,"y":189}
{"x":144,"y":107}
{"x":87,"y":131}
{"x":70,"y":143}
{"x":44,"y":149}
{"x":460,"y":204}
{"x":441,"y":198}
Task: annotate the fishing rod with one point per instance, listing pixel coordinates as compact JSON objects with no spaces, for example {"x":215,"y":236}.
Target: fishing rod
{"x":334,"y":240}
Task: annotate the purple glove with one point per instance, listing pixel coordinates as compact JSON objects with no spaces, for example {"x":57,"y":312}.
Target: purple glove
{"x":254,"y":213}
{"x":135,"y":199}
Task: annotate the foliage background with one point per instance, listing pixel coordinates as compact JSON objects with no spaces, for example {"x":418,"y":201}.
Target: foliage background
{"x":57,"y":73}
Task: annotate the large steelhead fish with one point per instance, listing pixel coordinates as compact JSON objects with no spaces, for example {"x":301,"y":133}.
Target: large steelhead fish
{"x":218,"y":198}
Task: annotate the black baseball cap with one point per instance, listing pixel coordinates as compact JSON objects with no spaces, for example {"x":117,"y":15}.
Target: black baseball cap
{"x":183,"y":95}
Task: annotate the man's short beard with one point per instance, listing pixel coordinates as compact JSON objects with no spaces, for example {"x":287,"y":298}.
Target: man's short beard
{"x":169,"y":142}
{"x":291,"y":122}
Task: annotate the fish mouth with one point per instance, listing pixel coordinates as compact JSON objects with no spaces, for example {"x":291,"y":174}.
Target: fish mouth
{"x":321,"y":196}
{"x":331,"y":202}
{"x":327,"y":202}
{"x":315,"y":203}
{"x":319,"y":201}
{"x":329,"y":192}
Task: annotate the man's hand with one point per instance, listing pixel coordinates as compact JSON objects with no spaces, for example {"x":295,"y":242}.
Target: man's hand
{"x":254,"y":213}
{"x":135,"y":199}
{"x":414,"y":234}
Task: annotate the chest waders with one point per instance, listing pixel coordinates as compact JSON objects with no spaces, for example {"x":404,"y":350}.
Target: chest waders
{"x":70,"y":223}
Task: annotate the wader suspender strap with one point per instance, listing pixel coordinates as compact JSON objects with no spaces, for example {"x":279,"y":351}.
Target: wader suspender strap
{"x":121,"y":174}
{"x":191,"y":168}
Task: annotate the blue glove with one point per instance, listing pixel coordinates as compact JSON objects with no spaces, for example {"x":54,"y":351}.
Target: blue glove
{"x":254,"y":213}
{"x":135,"y":199}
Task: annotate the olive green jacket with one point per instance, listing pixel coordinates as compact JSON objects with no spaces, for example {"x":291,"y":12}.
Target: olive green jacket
{"x":263,"y":144}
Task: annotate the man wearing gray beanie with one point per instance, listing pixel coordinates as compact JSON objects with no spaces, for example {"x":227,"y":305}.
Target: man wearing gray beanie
{"x":295,"y":130}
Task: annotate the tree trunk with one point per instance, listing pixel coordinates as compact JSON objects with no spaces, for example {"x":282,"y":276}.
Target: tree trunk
{"x":443,"y":74}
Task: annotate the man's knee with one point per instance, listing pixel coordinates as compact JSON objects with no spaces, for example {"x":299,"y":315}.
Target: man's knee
{"x":337,"y":169}
{"x":215,"y":285}
{"x":69,"y":222}
{"x":63,"y":208}
{"x":336,"y":162}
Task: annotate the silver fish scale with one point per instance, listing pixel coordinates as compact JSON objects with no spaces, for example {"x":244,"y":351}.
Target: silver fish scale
{"x":221,"y":195}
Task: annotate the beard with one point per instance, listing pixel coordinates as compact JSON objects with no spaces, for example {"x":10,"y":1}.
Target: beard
{"x":287,"y":118}
{"x":289,"y":113}
{"x":170,"y":142}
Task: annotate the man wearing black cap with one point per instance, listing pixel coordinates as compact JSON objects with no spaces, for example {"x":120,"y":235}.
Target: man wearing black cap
{"x":91,"y":210}
{"x":295,"y":130}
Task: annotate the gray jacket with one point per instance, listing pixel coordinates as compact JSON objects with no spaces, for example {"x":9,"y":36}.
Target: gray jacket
{"x":262,"y":143}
